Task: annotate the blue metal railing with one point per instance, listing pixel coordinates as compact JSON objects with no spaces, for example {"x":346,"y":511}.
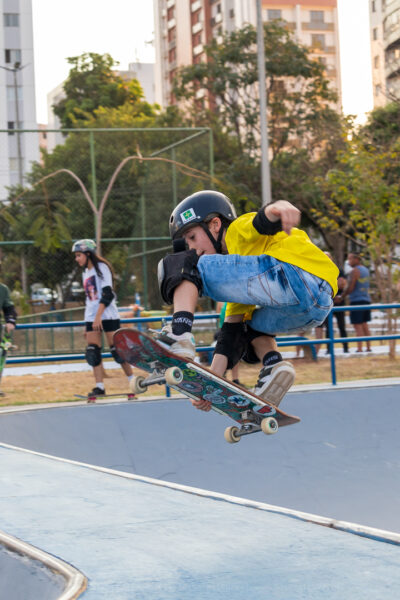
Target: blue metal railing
{"x":282,"y":342}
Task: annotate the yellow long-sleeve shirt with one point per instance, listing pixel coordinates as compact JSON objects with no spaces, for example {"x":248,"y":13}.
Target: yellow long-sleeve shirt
{"x":296,"y":249}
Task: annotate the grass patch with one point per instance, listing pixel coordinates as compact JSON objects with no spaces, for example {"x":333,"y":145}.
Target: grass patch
{"x":61,"y":387}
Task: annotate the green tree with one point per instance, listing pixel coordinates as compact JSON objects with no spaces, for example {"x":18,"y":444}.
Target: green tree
{"x":92,"y":83}
{"x":383,"y":126}
{"x":299,"y":96}
{"x":361,"y":204}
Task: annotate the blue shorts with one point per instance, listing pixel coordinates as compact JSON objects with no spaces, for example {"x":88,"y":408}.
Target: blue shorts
{"x":288,"y":299}
{"x":360,"y":316}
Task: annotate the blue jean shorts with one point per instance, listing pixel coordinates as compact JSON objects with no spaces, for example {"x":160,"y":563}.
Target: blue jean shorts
{"x":287,"y":298}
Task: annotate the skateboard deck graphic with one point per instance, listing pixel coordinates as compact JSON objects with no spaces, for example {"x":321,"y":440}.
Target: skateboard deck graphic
{"x":198,"y":382}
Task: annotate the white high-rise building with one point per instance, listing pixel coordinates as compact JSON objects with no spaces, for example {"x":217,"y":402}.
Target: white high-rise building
{"x":17,"y":93}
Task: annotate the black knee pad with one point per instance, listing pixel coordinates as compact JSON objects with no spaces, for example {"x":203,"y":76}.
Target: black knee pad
{"x":249,"y":355}
{"x":116,"y":356}
{"x":93,"y":355}
{"x":175,"y":268}
{"x":231,"y":342}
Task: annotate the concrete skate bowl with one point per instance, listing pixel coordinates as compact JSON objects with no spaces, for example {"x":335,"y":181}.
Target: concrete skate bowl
{"x":342,"y":461}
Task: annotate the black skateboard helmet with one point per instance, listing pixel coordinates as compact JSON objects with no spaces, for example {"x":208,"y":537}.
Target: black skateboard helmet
{"x":195,"y":209}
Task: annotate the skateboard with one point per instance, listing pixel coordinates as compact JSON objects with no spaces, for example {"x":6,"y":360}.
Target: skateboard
{"x":91,"y":398}
{"x":197,"y":382}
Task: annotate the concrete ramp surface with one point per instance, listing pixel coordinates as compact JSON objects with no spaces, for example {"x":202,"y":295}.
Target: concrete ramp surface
{"x":342,"y":461}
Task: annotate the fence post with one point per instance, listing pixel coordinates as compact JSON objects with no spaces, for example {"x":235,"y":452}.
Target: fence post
{"x":332,"y":347}
{"x":93,"y":174}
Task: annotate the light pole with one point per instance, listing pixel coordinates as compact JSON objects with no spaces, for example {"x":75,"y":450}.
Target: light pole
{"x":14,"y":70}
{"x":265,"y":171}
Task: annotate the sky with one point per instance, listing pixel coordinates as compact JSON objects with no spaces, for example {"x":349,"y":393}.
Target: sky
{"x":124,"y":29}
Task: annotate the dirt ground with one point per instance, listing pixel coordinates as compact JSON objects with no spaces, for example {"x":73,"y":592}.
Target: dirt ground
{"x":61,"y":387}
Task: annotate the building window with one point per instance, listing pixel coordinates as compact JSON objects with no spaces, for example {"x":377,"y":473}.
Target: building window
{"x":196,"y":39}
{"x":172,"y":55}
{"x":376,"y":62}
{"x":274,"y":14}
{"x":11,"y":20}
{"x":318,"y":41}
{"x":373,"y":7}
{"x":11,"y":93}
{"x":13,"y":162}
{"x":10,"y":125}
{"x":12,"y":56}
{"x":316,"y":16}
{"x":375,"y":33}
{"x":378,"y":90}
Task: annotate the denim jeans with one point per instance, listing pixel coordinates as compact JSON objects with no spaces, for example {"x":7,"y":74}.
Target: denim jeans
{"x":287,"y":298}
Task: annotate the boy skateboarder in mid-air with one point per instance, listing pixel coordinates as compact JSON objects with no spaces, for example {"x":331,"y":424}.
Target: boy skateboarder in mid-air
{"x":273,"y":277}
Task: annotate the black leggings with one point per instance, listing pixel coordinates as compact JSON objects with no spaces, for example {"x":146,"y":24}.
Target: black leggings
{"x":340,"y":319}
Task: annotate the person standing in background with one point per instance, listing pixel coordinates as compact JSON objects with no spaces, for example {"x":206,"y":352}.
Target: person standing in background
{"x":358,"y":291}
{"x":338,"y":300}
{"x":221,"y":308}
{"x":101,"y":312}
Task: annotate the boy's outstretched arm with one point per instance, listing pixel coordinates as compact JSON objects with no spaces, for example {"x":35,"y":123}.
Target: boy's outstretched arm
{"x":284,"y":211}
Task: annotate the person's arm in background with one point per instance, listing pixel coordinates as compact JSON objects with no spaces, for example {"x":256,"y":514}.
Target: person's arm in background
{"x":10,"y":314}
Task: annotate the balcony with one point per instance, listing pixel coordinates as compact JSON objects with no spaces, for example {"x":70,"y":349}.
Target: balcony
{"x":197,"y":27}
{"x":317,"y":26}
{"x":195,"y":6}
{"x":170,"y":3}
{"x":331,"y":72}
{"x":171,"y":23}
{"x":317,"y":49}
{"x":197,"y":49}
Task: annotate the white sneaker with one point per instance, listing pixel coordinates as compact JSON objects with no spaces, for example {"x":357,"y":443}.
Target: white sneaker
{"x":274,"y":381}
{"x":183,"y":344}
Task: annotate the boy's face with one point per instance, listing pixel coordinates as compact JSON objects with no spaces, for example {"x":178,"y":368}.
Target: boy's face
{"x":197,"y":239}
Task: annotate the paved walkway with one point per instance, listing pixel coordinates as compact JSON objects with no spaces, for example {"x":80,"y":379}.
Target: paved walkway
{"x":133,"y":539}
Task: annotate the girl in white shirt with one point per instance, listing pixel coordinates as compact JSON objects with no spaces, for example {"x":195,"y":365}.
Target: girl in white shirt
{"x":101,"y":313}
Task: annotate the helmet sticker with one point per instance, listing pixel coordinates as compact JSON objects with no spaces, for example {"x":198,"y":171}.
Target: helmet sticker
{"x":188,"y":215}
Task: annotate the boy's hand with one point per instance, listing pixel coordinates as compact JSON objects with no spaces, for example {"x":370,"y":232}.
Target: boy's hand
{"x":286,"y":212}
{"x":201,"y":404}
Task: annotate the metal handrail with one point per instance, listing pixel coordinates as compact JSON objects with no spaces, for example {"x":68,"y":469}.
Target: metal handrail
{"x":330,"y":340}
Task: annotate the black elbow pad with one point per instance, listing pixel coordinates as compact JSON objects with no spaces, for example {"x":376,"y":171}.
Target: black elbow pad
{"x":264,"y":226}
{"x":10,"y":314}
{"x":107,"y":295}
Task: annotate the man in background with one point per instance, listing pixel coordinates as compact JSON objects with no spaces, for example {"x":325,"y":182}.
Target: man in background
{"x":358,"y":292}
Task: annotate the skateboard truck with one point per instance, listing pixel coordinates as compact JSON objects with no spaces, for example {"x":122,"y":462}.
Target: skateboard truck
{"x":267,"y":425}
{"x":171,"y":376}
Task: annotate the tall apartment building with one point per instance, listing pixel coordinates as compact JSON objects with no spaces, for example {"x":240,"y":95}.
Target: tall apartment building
{"x":17,"y":93}
{"x":385,"y":49}
{"x":377,"y":53}
{"x":314,"y":24}
{"x":184,"y":27}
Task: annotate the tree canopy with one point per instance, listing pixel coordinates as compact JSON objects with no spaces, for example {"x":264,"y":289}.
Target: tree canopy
{"x":300,"y":98}
{"x":92,"y":83}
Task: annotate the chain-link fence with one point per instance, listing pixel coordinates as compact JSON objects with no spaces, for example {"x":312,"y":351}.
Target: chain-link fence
{"x":118,"y":186}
